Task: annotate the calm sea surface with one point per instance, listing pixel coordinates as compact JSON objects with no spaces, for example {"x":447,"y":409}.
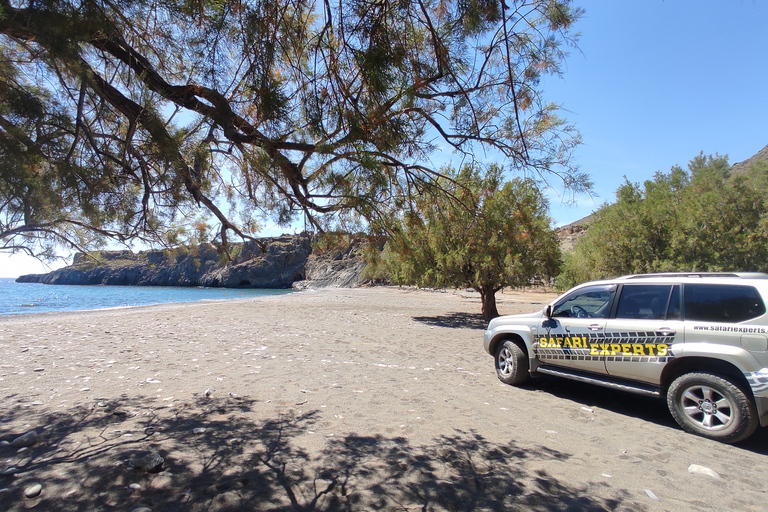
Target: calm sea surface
{"x":17,"y":298}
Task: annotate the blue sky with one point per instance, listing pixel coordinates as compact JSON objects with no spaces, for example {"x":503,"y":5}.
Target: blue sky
{"x":652,"y":84}
{"x":655,"y":82}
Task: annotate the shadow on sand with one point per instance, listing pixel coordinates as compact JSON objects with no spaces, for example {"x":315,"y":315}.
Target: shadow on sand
{"x":218,"y":458}
{"x":455,"y":320}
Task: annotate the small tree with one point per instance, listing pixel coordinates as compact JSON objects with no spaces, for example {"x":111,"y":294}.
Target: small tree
{"x":484,"y":235}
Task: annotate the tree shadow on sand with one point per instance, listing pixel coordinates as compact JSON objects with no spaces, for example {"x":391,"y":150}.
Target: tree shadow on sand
{"x":455,"y":320}
{"x":217,"y":457}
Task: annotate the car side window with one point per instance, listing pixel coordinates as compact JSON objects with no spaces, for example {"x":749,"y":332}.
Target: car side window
{"x":646,"y":301}
{"x":722,"y":303}
{"x":590,"y":302}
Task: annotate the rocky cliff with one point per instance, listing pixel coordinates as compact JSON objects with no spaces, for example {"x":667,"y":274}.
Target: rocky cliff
{"x":285,"y":261}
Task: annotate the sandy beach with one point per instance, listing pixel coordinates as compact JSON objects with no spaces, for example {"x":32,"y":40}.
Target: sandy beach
{"x":351,"y":399}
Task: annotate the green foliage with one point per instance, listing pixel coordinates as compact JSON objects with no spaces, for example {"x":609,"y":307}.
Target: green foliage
{"x":164,"y":121}
{"x":702,"y":219}
{"x":484,"y":234}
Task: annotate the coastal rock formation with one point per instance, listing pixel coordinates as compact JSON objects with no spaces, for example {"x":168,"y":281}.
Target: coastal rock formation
{"x":279,"y":266}
{"x":288,"y":261}
{"x":340,"y":268}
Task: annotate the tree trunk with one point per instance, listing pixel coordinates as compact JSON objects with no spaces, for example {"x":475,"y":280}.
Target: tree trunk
{"x":488,"y":299}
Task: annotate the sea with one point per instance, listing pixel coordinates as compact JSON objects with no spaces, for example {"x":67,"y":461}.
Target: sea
{"x":24,"y":298}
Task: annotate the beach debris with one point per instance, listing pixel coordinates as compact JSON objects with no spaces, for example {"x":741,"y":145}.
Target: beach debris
{"x":209,"y":392}
{"x":701,"y":470}
{"x":651,"y":495}
{"x":33,"y":491}
{"x":142,"y":509}
{"x":23,"y":441}
{"x":135,"y":486}
{"x":151,"y":462}
{"x":153,"y":381}
{"x":199,"y":430}
{"x":587,"y":409}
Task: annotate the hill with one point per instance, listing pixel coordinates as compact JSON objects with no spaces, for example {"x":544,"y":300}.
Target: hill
{"x":760,"y":156}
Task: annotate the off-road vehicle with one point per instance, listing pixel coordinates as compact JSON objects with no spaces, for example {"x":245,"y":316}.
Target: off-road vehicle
{"x":700,"y":340}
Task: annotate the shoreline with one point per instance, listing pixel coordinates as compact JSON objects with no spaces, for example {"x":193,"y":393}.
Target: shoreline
{"x":334,"y":399}
{"x":500,"y":297}
{"x":248,"y":294}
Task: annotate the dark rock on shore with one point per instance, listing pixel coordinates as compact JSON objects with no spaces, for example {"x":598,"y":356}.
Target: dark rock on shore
{"x":283,"y":263}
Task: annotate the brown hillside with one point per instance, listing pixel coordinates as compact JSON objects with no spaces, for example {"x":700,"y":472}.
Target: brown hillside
{"x":761,"y":155}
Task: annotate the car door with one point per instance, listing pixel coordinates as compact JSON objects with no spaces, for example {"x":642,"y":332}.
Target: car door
{"x":576,"y":325}
{"x":641,"y":335}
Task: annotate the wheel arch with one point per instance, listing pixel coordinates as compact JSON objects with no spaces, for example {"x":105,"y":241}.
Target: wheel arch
{"x":683,"y":365}
{"x":514,"y":337}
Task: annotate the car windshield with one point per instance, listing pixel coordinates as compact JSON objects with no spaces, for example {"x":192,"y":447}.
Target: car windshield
{"x":592,"y":302}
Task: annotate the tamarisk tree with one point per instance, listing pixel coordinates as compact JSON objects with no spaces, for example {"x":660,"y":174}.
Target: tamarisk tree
{"x":165,"y":120}
{"x":484,"y":234}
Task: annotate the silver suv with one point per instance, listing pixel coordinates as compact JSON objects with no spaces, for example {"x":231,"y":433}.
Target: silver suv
{"x":698,"y":339}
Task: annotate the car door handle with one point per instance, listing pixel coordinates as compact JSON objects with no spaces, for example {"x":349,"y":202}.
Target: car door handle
{"x":594,"y":327}
{"x":666,"y":332}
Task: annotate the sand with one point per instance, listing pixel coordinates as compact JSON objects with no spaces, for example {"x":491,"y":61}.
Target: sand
{"x":364,"y":399}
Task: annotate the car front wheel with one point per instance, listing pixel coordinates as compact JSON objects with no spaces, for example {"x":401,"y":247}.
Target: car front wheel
{"x":511,"y":363}
{"x":712,"y":406}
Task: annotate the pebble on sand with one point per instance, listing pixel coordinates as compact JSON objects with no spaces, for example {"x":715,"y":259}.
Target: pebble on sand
{"x":33,"y":490}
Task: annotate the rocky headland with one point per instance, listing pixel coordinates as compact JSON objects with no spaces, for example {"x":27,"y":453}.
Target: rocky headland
{"x":279,"y":262}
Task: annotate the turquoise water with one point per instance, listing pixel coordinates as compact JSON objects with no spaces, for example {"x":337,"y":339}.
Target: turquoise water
{"x":21,"y":298}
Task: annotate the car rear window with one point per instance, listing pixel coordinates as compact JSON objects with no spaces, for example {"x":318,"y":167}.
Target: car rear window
{"x":647,"y":301}
{"x":722,"y":303}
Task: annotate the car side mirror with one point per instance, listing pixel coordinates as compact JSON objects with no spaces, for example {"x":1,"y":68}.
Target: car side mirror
{"x":548,"y":311}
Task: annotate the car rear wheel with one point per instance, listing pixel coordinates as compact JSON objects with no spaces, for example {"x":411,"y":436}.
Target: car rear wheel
{"x":511,"y":363}
{"x":712,"y":406}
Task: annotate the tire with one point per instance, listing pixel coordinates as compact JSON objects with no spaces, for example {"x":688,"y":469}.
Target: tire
{"x":712,"y":406}
{"x":511,"y":363}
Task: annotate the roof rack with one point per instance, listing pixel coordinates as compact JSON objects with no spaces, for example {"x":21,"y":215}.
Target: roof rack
{"x":740,"y":275}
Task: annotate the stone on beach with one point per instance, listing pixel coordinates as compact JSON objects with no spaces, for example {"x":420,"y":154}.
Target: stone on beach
{"x":26,"y":440}
{"x":148,"y":463}
{"x":33,"y":491}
